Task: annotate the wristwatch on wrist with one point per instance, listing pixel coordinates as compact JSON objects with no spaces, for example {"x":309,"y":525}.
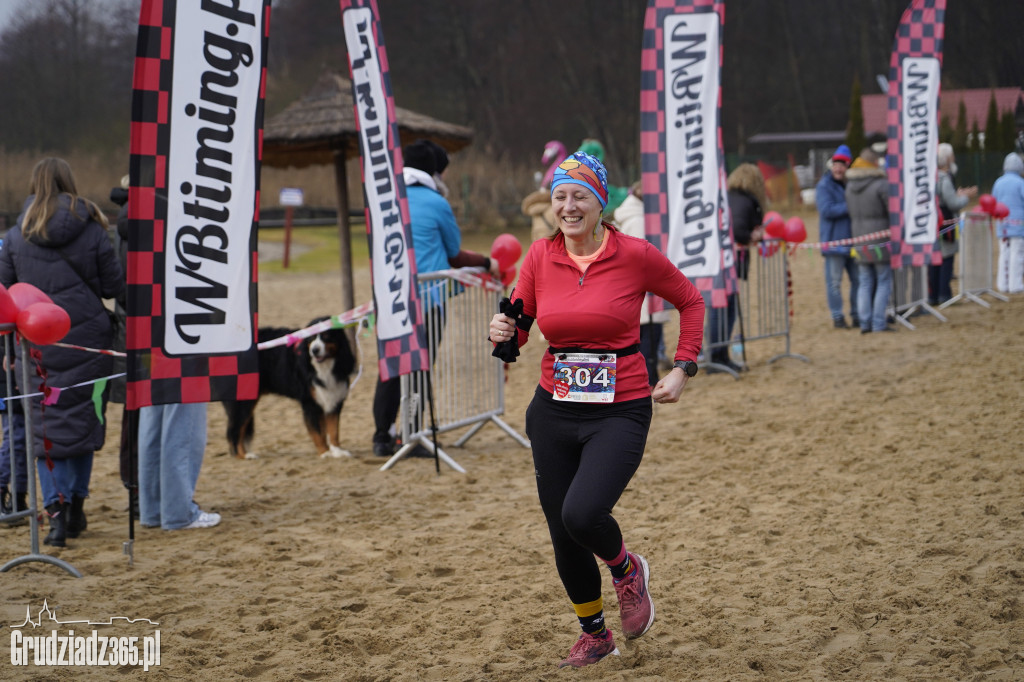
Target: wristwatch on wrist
{"x":689,"y":366}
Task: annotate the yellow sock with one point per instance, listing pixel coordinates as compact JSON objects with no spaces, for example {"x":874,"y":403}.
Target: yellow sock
{"x":591,"y":616}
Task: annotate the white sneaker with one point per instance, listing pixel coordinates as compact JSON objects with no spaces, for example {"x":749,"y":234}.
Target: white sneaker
{"x":204,"y":520}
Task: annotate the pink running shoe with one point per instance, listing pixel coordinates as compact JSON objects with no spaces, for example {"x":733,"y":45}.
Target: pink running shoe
{"x":589,"y":649}
{"x":635,"y":606}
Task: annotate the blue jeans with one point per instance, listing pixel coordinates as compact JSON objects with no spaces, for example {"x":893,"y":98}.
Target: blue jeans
{"x":873,"y":295}
{"x":835,"y":265}
{"x":17,"y":435}
{"x":172,"y":440}
{"x":69,"y":478}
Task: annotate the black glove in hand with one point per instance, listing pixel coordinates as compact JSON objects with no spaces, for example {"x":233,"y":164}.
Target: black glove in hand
{"x":508,"y":351}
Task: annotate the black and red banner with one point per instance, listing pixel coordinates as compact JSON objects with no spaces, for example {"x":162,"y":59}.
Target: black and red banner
{"x":193,"y":204}
{"x":401,"y":341}
{"x":915,"y":75}
{"x":681,"y":153}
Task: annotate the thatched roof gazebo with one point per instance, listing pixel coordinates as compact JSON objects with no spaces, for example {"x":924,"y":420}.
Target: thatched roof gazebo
{"x":320,"y":128}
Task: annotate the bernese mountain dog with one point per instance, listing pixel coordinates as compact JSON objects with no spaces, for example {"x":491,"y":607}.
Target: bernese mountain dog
{"x":316,"y":372}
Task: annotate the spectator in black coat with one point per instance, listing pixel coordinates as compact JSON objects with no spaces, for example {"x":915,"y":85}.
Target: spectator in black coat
{"x":60,"y":245}
{"x":746,"y":210}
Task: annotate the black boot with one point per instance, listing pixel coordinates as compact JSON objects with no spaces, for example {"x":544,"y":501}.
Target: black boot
{"x":76,"y":517}
{"x":58,"y":513}
{"x":20,"y":503}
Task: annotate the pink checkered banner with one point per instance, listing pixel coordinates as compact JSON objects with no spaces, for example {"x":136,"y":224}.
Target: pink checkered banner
{"x":915,"y":73}
{"x":681,"y":153}
{"x":401,"y":340}
{"x":195,"y":163}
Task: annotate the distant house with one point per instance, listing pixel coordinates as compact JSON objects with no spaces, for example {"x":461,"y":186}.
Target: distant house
{"x":875,"y":107}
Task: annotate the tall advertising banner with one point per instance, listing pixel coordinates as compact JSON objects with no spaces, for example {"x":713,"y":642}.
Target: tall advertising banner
{"x":681,"y":154}
{"x":193,"y":204}
{"x":401,"y":341}
{"x":915,"y":72}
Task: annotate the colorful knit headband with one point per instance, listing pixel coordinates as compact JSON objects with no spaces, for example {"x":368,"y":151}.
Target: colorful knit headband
{"x":585,"y":170}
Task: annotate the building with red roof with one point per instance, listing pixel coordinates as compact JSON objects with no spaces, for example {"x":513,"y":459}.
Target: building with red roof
{"x":975,"y":101}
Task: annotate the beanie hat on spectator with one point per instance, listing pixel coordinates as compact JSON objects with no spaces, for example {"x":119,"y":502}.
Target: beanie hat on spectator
{"x":878,"y":143}
{"x":421,"y":156}
{"x":843,"y":154}
{"x":1013,"y":163}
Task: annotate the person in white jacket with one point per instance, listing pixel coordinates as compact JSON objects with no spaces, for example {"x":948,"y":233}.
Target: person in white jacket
{"x":629,"y":216}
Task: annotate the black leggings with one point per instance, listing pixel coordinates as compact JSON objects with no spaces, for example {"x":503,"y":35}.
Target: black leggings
{"x":584,"y":456}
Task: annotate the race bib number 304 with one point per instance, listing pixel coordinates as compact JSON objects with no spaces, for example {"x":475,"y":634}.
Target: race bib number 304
{"x":585,"y":377}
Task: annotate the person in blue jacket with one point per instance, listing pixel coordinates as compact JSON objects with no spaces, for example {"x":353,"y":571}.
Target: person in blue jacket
{"x":834,"y":224}
{"x":437,"y":242}
{"x":1009,"y":191}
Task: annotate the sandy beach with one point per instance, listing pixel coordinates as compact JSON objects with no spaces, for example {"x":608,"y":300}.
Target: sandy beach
{"x":859,"y":516}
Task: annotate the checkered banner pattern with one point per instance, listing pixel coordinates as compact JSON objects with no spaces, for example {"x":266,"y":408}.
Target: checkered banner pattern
{"x":193,"y":204}
{"x":681,"y":152}
{"x":915,"y":71}
{"x":401,"y":337}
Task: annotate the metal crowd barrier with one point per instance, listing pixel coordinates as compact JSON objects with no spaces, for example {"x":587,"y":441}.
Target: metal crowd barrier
{"x":467,"y":384}
{"x":30,"y":463}
{"x":977,"y":244}
{"x":974,"y":273}
{"x":763,"y":310}
{"x":910,"y":295}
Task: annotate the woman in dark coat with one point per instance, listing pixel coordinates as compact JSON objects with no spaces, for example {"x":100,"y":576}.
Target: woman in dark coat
{"x":746,"y":195}
{"x":60,"y":245}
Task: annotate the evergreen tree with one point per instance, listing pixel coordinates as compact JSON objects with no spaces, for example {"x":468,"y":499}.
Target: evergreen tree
{"x":959,"y":140}
{"x":1007,"y":131}
{"x":855,"y":138}
{"x":992,"y":126}
{"x":974,"y":140}
{"x":945,"y":130}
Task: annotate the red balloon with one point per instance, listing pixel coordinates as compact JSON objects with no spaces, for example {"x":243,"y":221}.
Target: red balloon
{"x":773,"y":224}
{"x":1001,"y":210}
{"x":508,"y":275}
{"x":8,"y":308}
{"x":43,"y":323}
{"x":25,"y":294}
{"x":987,"y":203}
{"x":794,"y":230}
{"x":506,"y":249}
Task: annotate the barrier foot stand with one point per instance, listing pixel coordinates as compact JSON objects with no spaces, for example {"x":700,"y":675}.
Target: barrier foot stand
{"x":974,"y":296}
{"x":404,"y":451}
{"x":469,"y":434}
{"x":42,"y":558}
{"x":510,"y":431}
{"x":787,"y":354}
{"x":924,"y":307}
{"x":501,"y":425}
{"x":716,"y":368}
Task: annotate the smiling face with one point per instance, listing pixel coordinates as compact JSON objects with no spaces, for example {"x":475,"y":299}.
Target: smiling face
{"x":577,"y":211}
